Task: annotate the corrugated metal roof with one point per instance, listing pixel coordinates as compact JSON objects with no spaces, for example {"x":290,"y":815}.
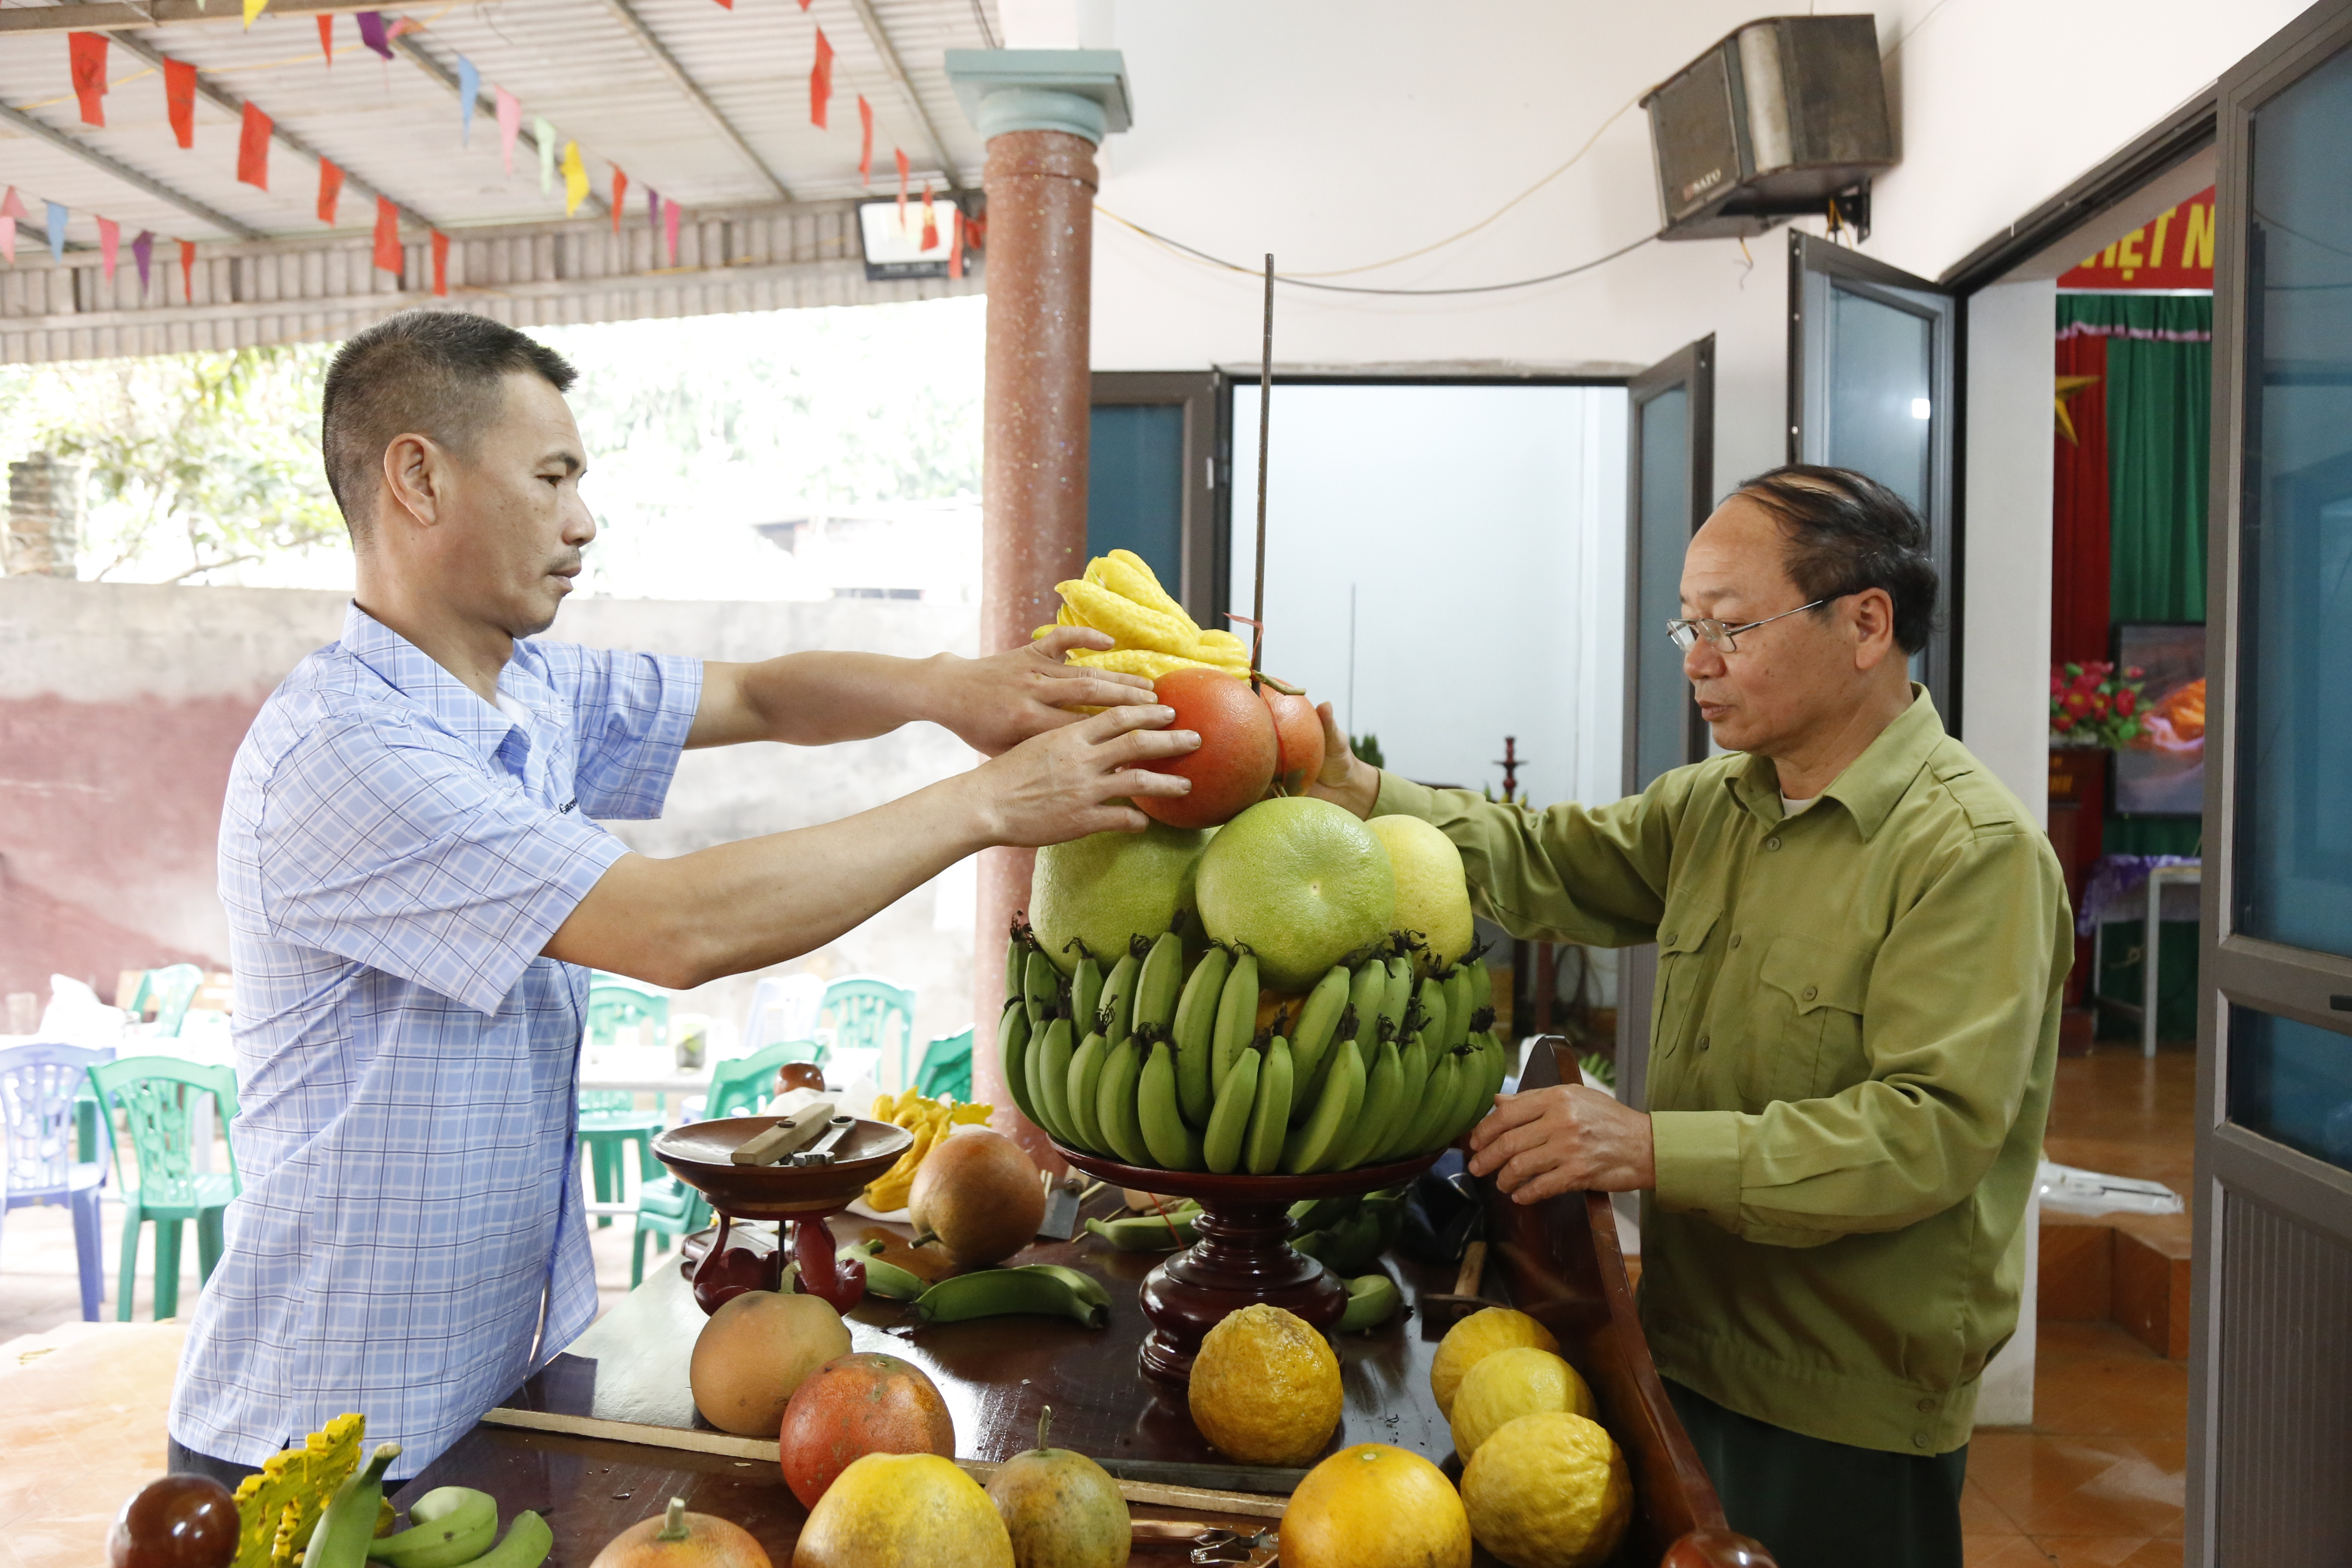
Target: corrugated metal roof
{"x":754,"y":258}
{"x":394,"y":125}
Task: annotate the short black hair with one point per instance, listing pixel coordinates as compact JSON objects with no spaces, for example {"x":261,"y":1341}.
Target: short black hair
{"x":433,"y":373}
{"x":1847,"y":532}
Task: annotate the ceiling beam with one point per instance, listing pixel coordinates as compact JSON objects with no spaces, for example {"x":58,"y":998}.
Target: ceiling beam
{"x":486,"y":106}
{"x":628,"y":16}
{"x":100,"y":18}
{"x":879,"y":37}
{"x":126,"y":173}
{"x":229,"y":102}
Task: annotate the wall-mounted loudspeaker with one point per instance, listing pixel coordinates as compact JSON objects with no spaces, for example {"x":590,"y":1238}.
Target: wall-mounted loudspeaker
{"x":1777,"y":119}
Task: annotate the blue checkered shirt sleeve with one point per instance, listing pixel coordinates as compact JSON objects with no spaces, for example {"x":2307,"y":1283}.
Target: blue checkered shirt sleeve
{"x":632,"y":711}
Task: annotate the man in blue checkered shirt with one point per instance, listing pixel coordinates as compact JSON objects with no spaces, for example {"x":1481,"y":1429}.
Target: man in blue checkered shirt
{"x":416,"y":888}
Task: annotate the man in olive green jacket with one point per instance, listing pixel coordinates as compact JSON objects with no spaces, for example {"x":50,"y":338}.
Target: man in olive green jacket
{"x":1862,"y":941}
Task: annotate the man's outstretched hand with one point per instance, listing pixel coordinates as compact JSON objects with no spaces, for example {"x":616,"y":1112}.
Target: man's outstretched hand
{"x":1080,"y":778}
{"x":1346,"y":779}
{"x":994,"y":703}
{"x":1564,"y":1139}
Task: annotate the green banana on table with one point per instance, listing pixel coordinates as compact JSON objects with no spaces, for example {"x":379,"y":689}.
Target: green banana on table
{"x":1040,"y":1288}
{"x":448,"y":1527}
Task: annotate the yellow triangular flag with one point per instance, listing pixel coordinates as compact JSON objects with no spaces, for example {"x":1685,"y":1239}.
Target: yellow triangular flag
{"x":575,"y":179}
{"x":254,"y":8}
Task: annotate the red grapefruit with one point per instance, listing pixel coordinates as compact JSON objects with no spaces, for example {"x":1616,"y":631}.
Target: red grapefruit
{"x":1299,"y":739}
{"x":1237,"y":754}
{"x":866,"y":1403}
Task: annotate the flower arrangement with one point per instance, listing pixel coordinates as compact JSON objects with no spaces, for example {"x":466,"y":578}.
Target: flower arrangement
{"x":2092,"y":705}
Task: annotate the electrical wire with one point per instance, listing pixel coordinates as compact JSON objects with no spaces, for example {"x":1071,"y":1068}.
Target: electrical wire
{"x":1299,"y":282}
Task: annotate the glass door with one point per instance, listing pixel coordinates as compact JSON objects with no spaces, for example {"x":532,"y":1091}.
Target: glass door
{"x":1151,"y":480}
{"x":2270,"y":1414}
{"x":1669,"y":490}
{"x":1871,"y":388}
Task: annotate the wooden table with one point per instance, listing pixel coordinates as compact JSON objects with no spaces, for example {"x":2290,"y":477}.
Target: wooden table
{"x":626,"y":1377}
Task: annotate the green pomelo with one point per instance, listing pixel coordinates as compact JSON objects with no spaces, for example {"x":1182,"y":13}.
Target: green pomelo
{"x":1432,"y":896}
{"x":1302,"y":884}
{"x":1108,"y":887}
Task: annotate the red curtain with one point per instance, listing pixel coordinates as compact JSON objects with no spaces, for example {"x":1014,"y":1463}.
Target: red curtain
{"x":2080,"y":569}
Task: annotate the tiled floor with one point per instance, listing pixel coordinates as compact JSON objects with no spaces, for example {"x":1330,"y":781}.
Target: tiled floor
{"x":2098,"y":1480}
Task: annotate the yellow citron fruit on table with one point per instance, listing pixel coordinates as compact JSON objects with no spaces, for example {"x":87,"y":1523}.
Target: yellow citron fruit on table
{"x":903,"y":1510}
{"x":1547,"y":1491}
{"x":1266,"y":1387}
{"x":1476,"y":1338}
{"x":1373,"y":1506}
{"x":1521,"y":1381}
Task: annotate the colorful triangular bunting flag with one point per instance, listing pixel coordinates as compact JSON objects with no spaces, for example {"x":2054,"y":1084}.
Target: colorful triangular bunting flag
{"x":110,"y":244}
{"x":388,"y":257}
{"x":575,"y":179}
{"x":331,"y":191}
{"x":57,"y":216}
{"x":510,"y":126}
{"x":253,"y":147}
{"x":469,"y":88}
{"x":440,"y":264}
{"x":180,"y":99}
{"x":864,"y":141}
{"x":88,"y":52}
{"x":188,"y":269}
{"x":821,"y":80}
{"x":544,"y":134}
{"x":142,"y":250}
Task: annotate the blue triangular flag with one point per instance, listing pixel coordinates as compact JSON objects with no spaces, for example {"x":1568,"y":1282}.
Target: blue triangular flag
{"x":469,"y":88}
{"x":56,"y":232}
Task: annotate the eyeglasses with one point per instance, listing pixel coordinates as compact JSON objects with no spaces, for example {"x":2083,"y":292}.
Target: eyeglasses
{"x":1719,"y":637}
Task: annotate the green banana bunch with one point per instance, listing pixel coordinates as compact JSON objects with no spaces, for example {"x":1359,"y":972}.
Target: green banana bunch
{"x":1084,"y":1088}
{"x":1457,"y":1007}
{"x":1043,"y":1287}
{"x":1049,"y":1077}
{"x":1365,"y":988}
{"x":1372,"y":1299}
{"x":1356,"y":1240}
{"x":1012,"y":1052}
{"x":1310,"y":1042}
{"x":1220,"y":1146}
{"x":1396,"y":994}
{"x":1413,"y":1065}
{"x":1174,"y":1145}
{"x":1482,"y":987}
{"x":528,"y":1543}
{"x":346,"y":1526}
{"x":1085,"y":994}
{"x":1041,"y":987}
{"x":1195,"y":1035}
{"x":1016,"y":956}
{"x":448,"y":1527}
{"x":1309,"y":1215}
{"x":1116,"y":1106}
{"x":1436,"y":1010}
{"x":883,"y":1278}
{"x":1270,"y":1116}
{"x":1151,"y":1232}
{"x":1158,"y":982}
{"x":1236,"y":1019}
{"x":1437,"y":1099}
{"x":1117,"y":1003}
{"x":1383,"y":1106}
{"x":1311,"y":1147}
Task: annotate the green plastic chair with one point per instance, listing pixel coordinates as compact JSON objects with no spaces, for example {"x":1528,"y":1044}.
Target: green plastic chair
{"x":616,"y":1002}
{"x":171,"y":989}
{"x":154,"y":1095}
{"x":667,"y":1206}
{"x":946,"y":1072}
{"x":861,"y":1009}
{"x":609,"y":1122}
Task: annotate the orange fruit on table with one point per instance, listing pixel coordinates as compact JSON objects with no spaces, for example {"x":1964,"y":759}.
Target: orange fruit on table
{"x":677,"y":1539}
{"x":1373,"y":1506}
{"x":866,"y":1403}
{"x":1238,"y":749}
{"x":903,"y":1510}
{"x":1264,"y":1388}
{"x":1472,"y":1340}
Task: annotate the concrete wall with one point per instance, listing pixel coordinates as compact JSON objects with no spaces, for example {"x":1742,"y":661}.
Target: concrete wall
{"x":122,"y":705}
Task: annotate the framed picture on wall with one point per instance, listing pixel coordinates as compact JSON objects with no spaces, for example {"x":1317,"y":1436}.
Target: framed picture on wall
{"x":2162,"y":774}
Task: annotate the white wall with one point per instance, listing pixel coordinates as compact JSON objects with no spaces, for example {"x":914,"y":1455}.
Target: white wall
{"x":1337,"y":134}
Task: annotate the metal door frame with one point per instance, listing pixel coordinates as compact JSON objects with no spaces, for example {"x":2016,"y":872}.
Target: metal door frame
{"x":2286,"y":981}
{"x":1200,"y":395}
{"x":1814,"y":264}
{"x":1691,"y":367}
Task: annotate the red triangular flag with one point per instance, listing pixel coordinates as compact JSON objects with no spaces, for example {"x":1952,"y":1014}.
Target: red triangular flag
{"x":899,"y":154}
{"x":955,"y":242}
{"x":180,"y":99}
{"x":821,"y":80}
{"x":327,"y":36}
{"x":866,"y":141}
{"x":253,"y":148}
{"x":188,"y":269}
{"x":88,"y":55}
{"x":331,"y":191}
{"x":388,"y":255}
{"x":729,"y":3}
{"x":440,"y":263}
{"x":620,"y":191}
{"x":930,"y":220}
{"x":110,"y":238}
